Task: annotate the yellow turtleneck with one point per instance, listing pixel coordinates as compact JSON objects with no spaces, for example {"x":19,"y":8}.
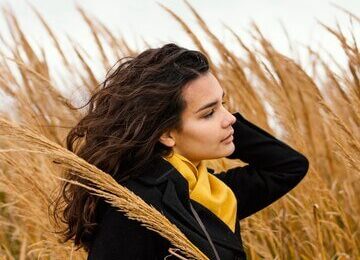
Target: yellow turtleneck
{"x":207,"y":189}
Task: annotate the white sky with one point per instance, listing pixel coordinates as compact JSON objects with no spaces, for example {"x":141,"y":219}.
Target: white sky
{"x":145,"y":18}
{"x":135,"y":19}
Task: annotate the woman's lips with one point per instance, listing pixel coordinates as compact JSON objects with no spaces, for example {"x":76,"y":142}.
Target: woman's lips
{"x":229,"y":139}
{"x":230,"y":136}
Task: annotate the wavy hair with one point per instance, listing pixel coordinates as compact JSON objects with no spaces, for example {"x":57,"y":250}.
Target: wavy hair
{"x":138,"y":101}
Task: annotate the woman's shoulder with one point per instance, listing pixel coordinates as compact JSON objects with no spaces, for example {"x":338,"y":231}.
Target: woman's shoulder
{"x":149,"y":194}
{"x":114,"y":221}
{"x":119,"y":237}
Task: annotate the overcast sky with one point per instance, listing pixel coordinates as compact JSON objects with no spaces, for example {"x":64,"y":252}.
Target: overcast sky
{"x":145,"y":18}
{"x":136,"y":19}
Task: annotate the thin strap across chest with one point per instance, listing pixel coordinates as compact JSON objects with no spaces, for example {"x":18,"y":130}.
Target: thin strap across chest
{"x":204,"y":229}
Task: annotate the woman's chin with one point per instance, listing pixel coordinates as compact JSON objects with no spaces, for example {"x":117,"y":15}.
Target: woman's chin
{"x":230,"y":148}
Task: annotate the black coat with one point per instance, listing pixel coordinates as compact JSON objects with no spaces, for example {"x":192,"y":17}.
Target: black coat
{"x":273,"y":169}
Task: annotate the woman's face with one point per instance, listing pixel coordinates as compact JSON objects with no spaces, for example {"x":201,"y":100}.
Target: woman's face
{"x":206,"y":123}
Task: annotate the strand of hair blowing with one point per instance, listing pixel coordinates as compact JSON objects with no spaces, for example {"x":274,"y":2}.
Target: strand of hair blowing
{"x":120,"y":133}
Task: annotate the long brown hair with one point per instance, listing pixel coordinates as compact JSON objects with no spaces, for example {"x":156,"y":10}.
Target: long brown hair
{"x":139,"y":100}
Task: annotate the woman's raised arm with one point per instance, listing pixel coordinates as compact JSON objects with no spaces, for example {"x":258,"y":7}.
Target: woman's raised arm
{"x":274,"y":168}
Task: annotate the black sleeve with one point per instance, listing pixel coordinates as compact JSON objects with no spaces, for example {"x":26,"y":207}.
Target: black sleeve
{"x":273,"y":169}
{"x":119,"y":237}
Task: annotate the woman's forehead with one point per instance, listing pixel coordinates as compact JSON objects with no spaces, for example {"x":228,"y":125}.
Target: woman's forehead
{"x":202,"y":91}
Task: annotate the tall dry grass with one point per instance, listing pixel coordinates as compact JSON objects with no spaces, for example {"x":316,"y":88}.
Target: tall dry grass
{"x":318,"y":110}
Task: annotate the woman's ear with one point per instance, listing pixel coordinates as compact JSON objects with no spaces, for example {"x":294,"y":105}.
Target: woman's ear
{"x":167,"y":139}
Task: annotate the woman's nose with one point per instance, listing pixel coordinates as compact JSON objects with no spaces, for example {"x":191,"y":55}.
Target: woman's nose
{"x":232,"y":119}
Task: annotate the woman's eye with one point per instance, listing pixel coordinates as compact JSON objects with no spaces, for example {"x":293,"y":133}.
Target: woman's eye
{"x":212,"y":112}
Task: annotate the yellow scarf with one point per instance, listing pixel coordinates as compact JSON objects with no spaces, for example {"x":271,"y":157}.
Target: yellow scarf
{"x":207,"y":189}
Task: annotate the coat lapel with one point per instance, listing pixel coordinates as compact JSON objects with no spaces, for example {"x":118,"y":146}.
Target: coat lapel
{"x":175,"y":198}
{"x":174,"y":189}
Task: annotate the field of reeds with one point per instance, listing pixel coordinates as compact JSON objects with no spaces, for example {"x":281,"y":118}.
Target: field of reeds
{"x":316,"y":104}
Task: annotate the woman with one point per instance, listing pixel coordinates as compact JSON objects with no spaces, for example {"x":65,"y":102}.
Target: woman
{"x":155,"y":120}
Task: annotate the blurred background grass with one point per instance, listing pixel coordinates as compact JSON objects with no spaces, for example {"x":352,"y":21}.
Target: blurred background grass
{"x":313,"y":106}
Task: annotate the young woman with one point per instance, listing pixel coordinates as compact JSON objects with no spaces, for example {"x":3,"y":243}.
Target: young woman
{"x":155,"y":120}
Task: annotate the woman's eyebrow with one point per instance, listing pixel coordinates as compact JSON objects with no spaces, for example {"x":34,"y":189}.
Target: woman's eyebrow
{"x":209,"y":104}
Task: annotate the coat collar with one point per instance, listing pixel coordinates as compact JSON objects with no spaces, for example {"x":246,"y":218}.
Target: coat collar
{"x":175,"y":197}
{"x":158,"y":172}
